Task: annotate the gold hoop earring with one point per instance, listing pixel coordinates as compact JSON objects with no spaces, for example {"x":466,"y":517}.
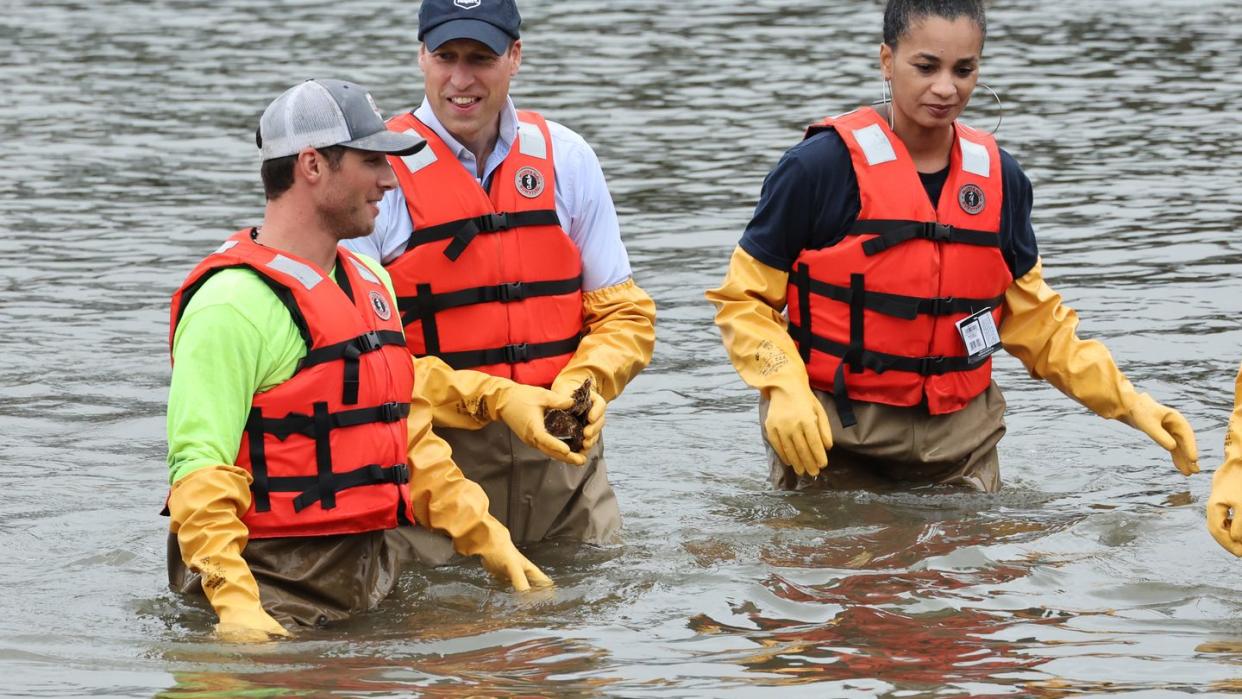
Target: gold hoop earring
{"x":1000,"y":117}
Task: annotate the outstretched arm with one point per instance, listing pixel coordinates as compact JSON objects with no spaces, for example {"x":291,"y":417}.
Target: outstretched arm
{"x":1040,"y":331}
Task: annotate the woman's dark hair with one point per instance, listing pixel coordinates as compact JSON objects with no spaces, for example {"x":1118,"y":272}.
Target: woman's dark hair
{"x":900,"y":14}
{"x":277,"y":173}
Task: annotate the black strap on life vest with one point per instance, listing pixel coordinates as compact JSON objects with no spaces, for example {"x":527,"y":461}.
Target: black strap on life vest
{"x":462,"y":231}
{"x":425,"y":304}
{"x":325,"y":484}
{"x":854,"y":355}
{"x":802,"y":280}
{"x":896,"y":305}
{"x":896,"y":232}
{"x":510,"y":354}
{"x":258,"y":461}
{"x":879,"y":363}
{"x":296,"y":423}
{"x":350,"y":350}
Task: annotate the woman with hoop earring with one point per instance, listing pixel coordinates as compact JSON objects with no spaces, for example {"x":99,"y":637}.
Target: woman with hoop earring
{"x":891,"y":253}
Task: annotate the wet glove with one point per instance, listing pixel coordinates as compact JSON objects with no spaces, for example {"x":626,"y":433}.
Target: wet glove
{"x":206,"y":507}
{"x":594,"y":425}
{"x":467,"y":399}
{"x":442,"y":498}
{"x":1039,"y":330}
{"x":748,"y":312}
{"x":620,"y":337}
{"x":1224,"y":507}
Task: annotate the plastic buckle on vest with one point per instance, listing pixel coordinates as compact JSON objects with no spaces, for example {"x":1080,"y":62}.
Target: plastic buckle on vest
{"x":368,"y":342}
{"x":515,"y":354}
{"x":400,"y":474}
{"x":938,"y":232}
{"x":512,"y":291}
{"x":494,"y":222}
{"x":390,"y":412}
{"x":932,"y":366}
{"x":942,"y":306}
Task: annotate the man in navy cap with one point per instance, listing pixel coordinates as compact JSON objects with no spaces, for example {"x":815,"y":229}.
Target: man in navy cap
{"x":506,"y":255}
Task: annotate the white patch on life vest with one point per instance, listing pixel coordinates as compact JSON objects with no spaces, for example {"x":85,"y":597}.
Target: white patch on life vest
{"x":975,"y":158}
{"x":531,"y":141}
{"x":875,"y":144}
{"x":298,"y":270}
{"x":365,"y":272}
{"x":228,"y":245}
{"x":421,"y":159}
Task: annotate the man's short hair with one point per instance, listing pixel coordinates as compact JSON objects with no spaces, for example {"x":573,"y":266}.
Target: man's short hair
{"x":277,"y":173}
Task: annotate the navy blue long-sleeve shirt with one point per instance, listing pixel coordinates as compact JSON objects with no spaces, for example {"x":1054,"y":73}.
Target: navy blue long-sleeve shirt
{"x":811,"y":198}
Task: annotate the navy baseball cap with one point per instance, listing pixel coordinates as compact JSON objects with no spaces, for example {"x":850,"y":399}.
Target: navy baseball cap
{"x":494,"y":23}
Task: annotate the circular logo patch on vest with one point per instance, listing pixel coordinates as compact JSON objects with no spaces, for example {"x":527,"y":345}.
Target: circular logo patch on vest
{"x":379,"y":304}
{"x":529,"y":182}
{"x":970,"y":197}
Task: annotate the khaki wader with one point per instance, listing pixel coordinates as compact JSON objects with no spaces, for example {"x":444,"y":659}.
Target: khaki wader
{"x":535,"y":497}
{"x":309,"y":580}
{"x":895,"y":446}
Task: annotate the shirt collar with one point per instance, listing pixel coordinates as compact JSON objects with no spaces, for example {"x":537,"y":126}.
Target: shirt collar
{"x":504,"y":141}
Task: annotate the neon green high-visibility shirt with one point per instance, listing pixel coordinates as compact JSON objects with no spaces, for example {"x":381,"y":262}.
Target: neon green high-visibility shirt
{"x":235,"y":339}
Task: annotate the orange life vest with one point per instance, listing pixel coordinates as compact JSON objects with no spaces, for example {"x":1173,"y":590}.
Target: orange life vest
{"x":489,"y":280}
{"x":875,"y":315}
{"x":327,"y":448}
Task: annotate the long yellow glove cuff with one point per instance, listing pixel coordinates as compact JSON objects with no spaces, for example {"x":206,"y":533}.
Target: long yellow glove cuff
{"x":466,"y":399}
{"x":442,"y":498}
{"x":1040,"y":331}
{"x":748,"y":312}
{"x":1224,"y":507}
{"x":620,"y":325}
{"x":206,"y":507}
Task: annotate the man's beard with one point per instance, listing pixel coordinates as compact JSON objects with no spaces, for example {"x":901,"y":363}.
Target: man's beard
{"x":344,"y":225}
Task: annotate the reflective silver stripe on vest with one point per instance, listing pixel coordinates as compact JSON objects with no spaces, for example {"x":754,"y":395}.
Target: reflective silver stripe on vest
{"x":228,"y":245}
{"x":421,"y":159}
{"x":875,"y":144}
{"x":975,"y":158}
{"x":298,"y":270}
{"x":531,"y":142}
{"x":365,"y":272}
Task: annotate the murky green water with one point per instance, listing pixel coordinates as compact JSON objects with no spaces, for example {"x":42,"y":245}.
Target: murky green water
{"x":128,"y":154}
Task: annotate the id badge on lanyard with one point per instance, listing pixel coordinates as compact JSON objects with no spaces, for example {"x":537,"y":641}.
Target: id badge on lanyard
{"x":979,"y":333}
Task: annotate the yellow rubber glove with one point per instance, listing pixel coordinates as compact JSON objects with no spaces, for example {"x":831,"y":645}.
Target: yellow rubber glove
{"x":468,"y":400}
{"x":620,"y":325}
{"x":206,"y":507}
{"x":748,"y":312}
{"x":442,"y":498}
{"x":1040,"y":331}
{"x":1224,"y":507}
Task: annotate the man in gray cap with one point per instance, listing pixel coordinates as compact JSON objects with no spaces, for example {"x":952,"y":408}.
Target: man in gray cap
{"x":294,"y":446}
{"x":506,"y":255}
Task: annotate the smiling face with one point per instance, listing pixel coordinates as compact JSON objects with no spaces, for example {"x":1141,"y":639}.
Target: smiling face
{"x":349,"y":193}
{"x":467,"y":85}
{"x":933,"y":70}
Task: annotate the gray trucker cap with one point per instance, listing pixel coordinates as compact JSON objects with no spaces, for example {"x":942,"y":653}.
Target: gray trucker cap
{"x":322,"y":113}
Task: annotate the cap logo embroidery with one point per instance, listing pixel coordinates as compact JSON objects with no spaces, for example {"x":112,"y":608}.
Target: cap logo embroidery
{"x":529,"y":182}
{"x":970,"y":198}
{"x":467,"y":4}
{"x":374,"y":106}
{"x":380,"y":306}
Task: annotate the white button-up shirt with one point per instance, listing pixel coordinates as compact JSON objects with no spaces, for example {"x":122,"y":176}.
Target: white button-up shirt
{"x":583,"y":203}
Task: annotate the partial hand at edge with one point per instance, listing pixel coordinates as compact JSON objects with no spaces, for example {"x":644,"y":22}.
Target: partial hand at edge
{"x":1224,"y":508}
